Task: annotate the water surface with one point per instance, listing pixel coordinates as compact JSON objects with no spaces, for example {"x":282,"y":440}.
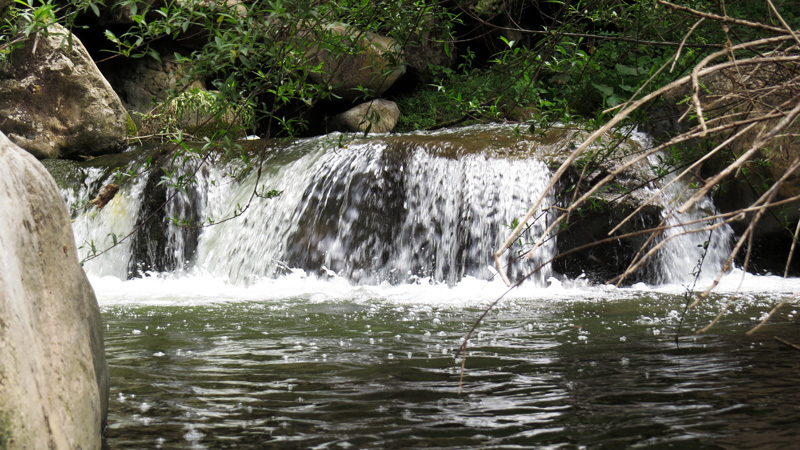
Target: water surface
{"x":594,"y":368}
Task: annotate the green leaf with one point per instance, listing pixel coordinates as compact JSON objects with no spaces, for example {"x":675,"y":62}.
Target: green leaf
{"x":606,"y":90}
{"x":613,"y":100}
{"x":154,"y":54}
{"x":111,"y":37}
{"x":626,"y":70}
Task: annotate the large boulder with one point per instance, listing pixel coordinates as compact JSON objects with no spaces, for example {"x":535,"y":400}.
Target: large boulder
{"x":365,"y":64}
{"x":53,"y":372}
{"x":55,"y":103}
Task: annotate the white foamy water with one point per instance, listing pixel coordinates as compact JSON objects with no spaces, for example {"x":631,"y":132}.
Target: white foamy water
{"x":202,"y":289}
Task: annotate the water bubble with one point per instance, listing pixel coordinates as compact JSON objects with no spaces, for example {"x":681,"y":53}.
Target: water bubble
{"x":193,"y":436}
{"x":623,"y":338}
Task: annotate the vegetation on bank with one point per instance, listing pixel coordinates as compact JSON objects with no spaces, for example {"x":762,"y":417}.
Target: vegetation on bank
{"x":474,"y":60}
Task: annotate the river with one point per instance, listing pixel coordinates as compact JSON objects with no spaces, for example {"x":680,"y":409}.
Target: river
{"x":330,"y":316}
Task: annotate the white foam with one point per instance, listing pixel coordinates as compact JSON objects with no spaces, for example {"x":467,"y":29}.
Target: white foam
{"x":201,"y":288}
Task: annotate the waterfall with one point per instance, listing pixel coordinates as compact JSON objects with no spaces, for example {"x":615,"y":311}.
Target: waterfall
{"x":691,"y":250}
{"x":98,"y":229}
{"x":372,"y":211}
{"x":425,"y":207}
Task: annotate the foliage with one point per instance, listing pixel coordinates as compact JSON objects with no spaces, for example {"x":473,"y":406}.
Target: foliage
{"x":203,"y":112}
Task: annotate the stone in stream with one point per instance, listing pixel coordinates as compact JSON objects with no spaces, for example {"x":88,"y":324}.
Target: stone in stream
{"x":53,"y":373}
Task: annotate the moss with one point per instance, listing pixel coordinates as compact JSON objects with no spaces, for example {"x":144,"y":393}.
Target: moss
{"x":66,"y":172}
{"x":130,"y":126}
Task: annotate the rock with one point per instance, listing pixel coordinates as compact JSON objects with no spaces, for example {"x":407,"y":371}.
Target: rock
{"x":53,"y":373}
{"x":376,"y":116}
{"x":143,"y":83}
{"x":106,"y":194}
{"x":369,"y":66}
{"x":55,"y":103}
{"x":428,"y":47}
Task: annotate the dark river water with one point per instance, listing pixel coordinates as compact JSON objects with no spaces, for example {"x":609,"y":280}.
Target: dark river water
{"x":298,"y":373}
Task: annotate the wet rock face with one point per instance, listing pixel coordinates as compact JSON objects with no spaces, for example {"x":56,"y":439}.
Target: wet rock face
{"x":53,"y":372}
{"x":54,"y":102}
{"x":585,"y":246}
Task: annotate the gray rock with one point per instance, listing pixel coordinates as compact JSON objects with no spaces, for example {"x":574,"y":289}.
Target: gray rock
{"x":377,"y":116}
{"x":144,"y":83}
{"x":55,"y":103}
{"x":53,"y":373}
{"x":428,"y":47}
{"x":370,"y":66}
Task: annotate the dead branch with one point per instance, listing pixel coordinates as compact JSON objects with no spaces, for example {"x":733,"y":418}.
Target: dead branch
{"x":724,"y":19}
{"x":787,"y":343}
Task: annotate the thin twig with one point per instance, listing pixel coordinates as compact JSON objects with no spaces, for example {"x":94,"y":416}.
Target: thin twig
{"x":766,"y":319}
{"x":787,"y":343}
{"x":725,"y":19}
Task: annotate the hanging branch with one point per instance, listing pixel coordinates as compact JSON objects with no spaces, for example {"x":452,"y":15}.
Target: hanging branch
{"x":736,"y":113}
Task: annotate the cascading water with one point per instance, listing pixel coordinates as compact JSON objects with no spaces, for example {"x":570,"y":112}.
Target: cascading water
{"x":691,"y":250}
{"x":98,"y":229}
{"x":392,"y":209}
{"x":374,"y":212}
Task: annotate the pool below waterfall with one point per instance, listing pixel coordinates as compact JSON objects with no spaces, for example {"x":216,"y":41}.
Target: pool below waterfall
{"x":335,"y":366}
